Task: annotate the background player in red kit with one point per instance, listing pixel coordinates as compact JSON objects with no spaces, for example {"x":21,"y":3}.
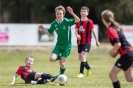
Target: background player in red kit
{"x":121,"y":46}
{"x":84,"y":28}
{"x":28,"y":75}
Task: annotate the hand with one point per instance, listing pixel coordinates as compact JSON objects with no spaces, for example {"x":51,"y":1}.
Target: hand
{"x":78,"y":37}
{"x":69,"y":9}
{"x":97,"y":44}
{"x":113,"y":54}
{"x":40,"y":26}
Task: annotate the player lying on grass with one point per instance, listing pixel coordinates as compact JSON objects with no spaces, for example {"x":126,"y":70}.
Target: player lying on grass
{"x":28,"y":75}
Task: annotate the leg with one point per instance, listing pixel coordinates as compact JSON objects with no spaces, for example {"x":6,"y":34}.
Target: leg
{"x":63,"y":65}
{"x":83,"y":61}
{"x":43,"y":76}
{"x":81,"y":58}
{"x":55,"y":54}
{"x":53,"y":57}
{"x":42,"y":81}
{"x":65,"y":53}
{"x":113,"y":76}
{"x":82,"y":64}
{"x":129,"y":74}
{"x":85,"y":64}
{"x":85,"y":49}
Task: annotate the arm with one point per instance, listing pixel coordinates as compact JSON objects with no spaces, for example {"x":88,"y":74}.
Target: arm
{"x":76,"y":34}
{"x":114,"y":51}
{"x":70,"y":10}
{"x":14,"y":78}
{"x":94,"y":34}
{"x":43,"y":29}
{"x":115,"y":39}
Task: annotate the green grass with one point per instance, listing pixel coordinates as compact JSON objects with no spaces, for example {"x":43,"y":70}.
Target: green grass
{"x":11,"y":59}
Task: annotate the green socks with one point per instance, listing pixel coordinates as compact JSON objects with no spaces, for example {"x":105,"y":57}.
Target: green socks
{"x":62,"y":71}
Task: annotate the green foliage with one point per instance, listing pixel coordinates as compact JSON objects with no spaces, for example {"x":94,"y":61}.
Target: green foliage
{"x":43,"y":11}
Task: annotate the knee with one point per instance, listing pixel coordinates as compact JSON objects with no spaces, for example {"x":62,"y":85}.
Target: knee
{"x":51,"y":59}
{"x":46,"y":76}
{"x":129,"y":79}
{"x":111,"y":75}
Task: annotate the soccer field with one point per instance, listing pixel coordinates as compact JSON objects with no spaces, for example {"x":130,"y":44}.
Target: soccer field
{"x":11,"y":59}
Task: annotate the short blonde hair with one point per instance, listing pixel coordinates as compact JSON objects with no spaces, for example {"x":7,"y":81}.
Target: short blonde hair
{"x":28,"y":57}
{"x":60,"y":7}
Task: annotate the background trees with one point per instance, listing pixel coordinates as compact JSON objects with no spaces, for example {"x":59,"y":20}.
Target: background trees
{"x":42,"y":11}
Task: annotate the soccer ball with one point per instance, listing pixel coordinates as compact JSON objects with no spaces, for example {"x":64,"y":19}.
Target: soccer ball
{"x":62,"y":79}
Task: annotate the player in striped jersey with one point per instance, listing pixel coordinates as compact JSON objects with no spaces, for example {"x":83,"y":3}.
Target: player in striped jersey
{"x":84,"y":28}
{"x":28,"y":75}
{"x":120,"y":46}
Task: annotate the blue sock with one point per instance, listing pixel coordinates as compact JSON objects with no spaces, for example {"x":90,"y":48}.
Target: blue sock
{"x":52,"y":76}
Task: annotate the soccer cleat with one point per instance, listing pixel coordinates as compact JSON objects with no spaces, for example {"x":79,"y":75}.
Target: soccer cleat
{"x":89,"y":71}
{"x":80,"y":75}
{"x":53,"y":79}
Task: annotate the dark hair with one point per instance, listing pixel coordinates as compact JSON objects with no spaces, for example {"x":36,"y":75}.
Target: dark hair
{"x":60,"y":7}
{"x":108,"y":16}
{"x":85,"y":8}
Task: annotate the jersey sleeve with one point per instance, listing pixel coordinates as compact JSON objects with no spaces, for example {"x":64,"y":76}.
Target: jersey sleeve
{"x":91,"y":24}
{"x":112,"y":33}
{"x":19,"y":70}
{"x":51,"y":29}
{"x":71,"y":21}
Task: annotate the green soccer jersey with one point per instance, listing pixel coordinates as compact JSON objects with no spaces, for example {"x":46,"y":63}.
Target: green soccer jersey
{"x":63,"y":30}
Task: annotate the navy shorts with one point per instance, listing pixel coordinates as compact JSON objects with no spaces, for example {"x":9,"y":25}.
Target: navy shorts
{"x":125,"y":61}
{"x":30,"y":77}
{"x":84,"y":47}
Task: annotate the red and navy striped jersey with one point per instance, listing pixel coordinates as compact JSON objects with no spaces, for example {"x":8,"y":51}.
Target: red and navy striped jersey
{"x":84,"y":30}
{"x":24,"y":71}
{"x":116,"y":36}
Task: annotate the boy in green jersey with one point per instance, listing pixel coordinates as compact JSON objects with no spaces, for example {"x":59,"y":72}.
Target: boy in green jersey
{"x":62,"y":27}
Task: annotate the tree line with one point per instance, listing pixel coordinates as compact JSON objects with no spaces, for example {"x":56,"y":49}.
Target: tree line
{"x":43,"y":11}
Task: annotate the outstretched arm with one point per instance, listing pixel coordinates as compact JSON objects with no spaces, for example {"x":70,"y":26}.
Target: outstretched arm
{"x":70,"y":10}
{"x":14,"y":78}
{"x":40,"y":26}
{"x":94,"y":34}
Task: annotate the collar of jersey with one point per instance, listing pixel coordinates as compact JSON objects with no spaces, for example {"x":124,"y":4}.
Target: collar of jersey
{"x":59,"y":22}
